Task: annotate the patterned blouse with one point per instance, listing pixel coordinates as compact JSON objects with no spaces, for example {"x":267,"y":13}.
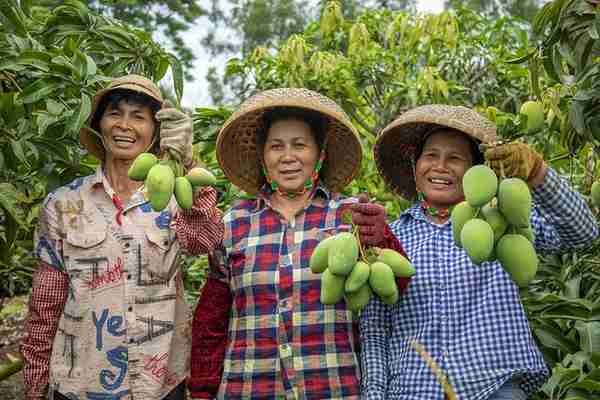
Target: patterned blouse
{"x":107,"y":312}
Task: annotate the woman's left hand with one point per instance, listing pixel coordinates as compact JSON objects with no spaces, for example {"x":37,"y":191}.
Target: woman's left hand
{"x":370,"y":220}
{"x":176,"y":133}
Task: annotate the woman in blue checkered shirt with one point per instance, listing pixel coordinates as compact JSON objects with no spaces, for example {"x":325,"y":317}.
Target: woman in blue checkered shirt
{"x":468,"y":318}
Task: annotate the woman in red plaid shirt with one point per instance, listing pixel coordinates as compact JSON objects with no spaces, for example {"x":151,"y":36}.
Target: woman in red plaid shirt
{"x":107,"y":315}
{"x":260,"y":330}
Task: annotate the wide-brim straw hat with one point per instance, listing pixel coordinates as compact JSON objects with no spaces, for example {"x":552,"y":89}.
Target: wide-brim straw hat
{"x":137,"y":83}
{"x":239,"y":156}
{"x":397,"y":143}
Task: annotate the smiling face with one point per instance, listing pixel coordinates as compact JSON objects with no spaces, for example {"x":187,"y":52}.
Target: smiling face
{"x":290,"y":153}
{"x":127,"y":130}
{"x":445,"y":158}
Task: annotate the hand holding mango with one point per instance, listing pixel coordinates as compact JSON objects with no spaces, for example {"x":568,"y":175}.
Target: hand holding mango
{"x":493,"y":223}
{"x":514,"y":160}
{"x":350,"y":272}
{"x":369,"y":218}
{"x":166,"y":177}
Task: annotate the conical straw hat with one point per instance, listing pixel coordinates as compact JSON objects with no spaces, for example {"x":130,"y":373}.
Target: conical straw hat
{"x":137,"y":83}
{"x":238,"y":153}
{"x":394,"y":150}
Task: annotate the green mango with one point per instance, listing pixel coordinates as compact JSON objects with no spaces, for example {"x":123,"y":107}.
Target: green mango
{"x":358,"y":277}
{"x":527,"y":232}
{"x":477,"y":238}
{"x":141,"y":166}
{"x":518,"y":257}
{"x":391,"y":300}
{"x":494,"y":217}
{"x":160,"y":184}
{"x":184,"y":194}
{"x":319,"y":257}
{"x":514,"y":201}
{"x":358,"y":299}
{"x":397,"y":262}
{"x":342,"y":254}
{"x":461,"y":213}
{"x":332,"y":287}
{"x":480,"y":185}
{"x":199,"y":176}
{"x":382,"y":279}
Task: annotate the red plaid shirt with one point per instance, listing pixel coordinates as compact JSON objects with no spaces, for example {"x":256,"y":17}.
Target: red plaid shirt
{"x":282,"y":342}
{"x":197,"y":230}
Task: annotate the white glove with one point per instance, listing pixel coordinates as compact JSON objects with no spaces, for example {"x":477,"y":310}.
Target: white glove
{"x":176,"y":133}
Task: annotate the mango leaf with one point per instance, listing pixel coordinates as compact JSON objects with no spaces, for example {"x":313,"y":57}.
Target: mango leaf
{"x":39,"y":90}
{"x":589,"y":335}
{"x":554,"y":338}
{"x":77,"y":120}
{"x":9,"y":202}
{"x":177,"y":76}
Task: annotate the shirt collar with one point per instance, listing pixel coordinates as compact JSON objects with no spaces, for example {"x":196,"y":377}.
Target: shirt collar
{"x":263,"y":198}
{"x":416,"y":212}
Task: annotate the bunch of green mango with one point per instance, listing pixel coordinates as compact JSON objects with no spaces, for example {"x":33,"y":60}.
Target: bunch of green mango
{"x":346,"y":274}
{"x":493,"y":223}
{"x":166,"y":177}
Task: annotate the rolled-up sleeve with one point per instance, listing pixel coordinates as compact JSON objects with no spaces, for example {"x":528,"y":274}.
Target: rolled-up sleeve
{"x":200,"y":229}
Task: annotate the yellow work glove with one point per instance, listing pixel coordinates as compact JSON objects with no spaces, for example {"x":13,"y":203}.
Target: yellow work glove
{"x":514,"y":160}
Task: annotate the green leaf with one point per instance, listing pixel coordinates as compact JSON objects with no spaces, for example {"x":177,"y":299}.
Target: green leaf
{"x":78,"y":119}
{"x":12,"y":17}
{"x":554,"y":338}
{"x":589,"y":335}
{"x":9,"y":202}
{"x":177,"y":76}
{"x":576,"y":117}
{"x":39,"y":90}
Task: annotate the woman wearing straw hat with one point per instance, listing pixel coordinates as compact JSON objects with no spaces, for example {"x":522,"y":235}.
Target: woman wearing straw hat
{"x":468,"y":318}
{"x":107,"y":316}
{"x":260,"y":330}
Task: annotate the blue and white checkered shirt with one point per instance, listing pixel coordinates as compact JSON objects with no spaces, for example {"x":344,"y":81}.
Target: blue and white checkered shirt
{"x":469,"y":318}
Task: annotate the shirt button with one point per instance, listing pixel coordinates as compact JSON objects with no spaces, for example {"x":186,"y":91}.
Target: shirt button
{"x":445,"y":354}
{"x":128,"y":276}
{"x":130,"y":309}
{"x":127,"y":245}
{"x":131,"y":340}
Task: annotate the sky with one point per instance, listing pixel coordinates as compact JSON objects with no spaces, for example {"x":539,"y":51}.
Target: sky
{"x":195,"y":92}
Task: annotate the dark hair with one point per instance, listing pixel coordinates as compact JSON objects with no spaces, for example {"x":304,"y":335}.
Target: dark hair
{"x":315,"y":120}
{"x":476,"y":154}
{"x":114,"y":97}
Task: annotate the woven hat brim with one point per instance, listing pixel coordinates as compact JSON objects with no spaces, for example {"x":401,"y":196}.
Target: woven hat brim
{"x":239,"y":157}
{"x":87,"y":137}
{"x":394,"y":150}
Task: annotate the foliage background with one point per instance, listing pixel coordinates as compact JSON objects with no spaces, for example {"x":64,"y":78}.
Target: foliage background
{"x":375,"y":59}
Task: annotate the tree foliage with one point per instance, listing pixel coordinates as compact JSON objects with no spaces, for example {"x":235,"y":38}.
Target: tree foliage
{"x":171,"y":18}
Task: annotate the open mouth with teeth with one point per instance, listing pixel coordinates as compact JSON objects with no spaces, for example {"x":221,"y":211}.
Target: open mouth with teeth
{"x":440,"y":181}
{"x":123,"y":139}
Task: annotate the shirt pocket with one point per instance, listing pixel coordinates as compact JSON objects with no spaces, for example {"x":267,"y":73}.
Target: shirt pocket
{"x":86,"y":260}
{"x":160,"y":252}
